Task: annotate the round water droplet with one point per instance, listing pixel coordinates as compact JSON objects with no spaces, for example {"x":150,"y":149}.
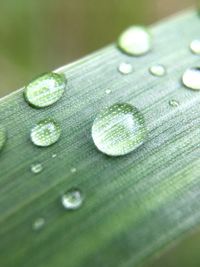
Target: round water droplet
{"x":174,"y":103}
{"x":36,"y":168}
{"x":135,"y":41}
{"x":38,"y":224}
{"x":72,"y":200}
{"x":45,"y":90}
{"x":73,"y":170}
{"x":2,"y":137}
{"x":157,"y":70}
{"x":108,"y":91}
{"x":191,"y":78}
{"x":195,"y":47}
{"x":45,"y":133}
{"x":125,"y":68}
{"x":119,"y":129}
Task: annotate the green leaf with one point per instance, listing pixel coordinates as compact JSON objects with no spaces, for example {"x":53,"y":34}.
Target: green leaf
{"x":133,"y":205}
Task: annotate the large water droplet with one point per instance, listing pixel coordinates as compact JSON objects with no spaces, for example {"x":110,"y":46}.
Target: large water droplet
{"x":195,"y":46}
{"x":45,"y":90}
{"x":119,"y":129}
{"x":191,"y":78}
{"x":125,"y":68}
{"x":2,"y":137}
{"x":157,"y":70}
{"x":38,"y":224}
{"x":72,"y":199}
{"x":36,"y":168}
{"x":45,"y":133}
{"x":135,"y":41}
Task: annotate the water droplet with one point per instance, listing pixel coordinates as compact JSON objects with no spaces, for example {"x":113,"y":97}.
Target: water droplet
{"x":191,"y":78}
{"x":45,"y":133}
{"x":72,"y":200}
{"x":45,"y":90}
{"x":73,"y":170}
{"x":2,"y":137}
{"x":36,"y":168}
{"x":38,"y":224}
{"x":195,"y":46}
{"x":135,"y":41}
{"x":157,"y":70}
{"x":119,"y":129}
{"x":125,"y":68}
{"x":54,"y":156}
{"x":174,"y":103}
{"x":108,"y":91}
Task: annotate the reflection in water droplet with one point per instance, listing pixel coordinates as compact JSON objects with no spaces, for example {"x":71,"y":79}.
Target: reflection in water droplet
{"x":119,"y":129}
{"x":174,"y":103}
{"x":45,"y":90}
{"x":73,"y":170}
{"x":125,"y":68}
{"x":36,"y":168}
{"x":191,"y":78}
{"x":38,"y":224}
{"x":108,"y":91}
{"x":72,"y":200}
{"x":2,"y":137}
{"x":135,"y":41}
{"x":157,"y":70}
{"x":45,"y":133}
{"x":195,"y":47}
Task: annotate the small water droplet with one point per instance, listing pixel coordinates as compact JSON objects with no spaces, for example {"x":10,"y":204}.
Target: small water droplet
{"x":38,"y":224}
{"x":174,"y":103}
{"x":125,"y":68}
{"x":119,"y":129}
{"x":2,"y":137}
{"x":73,"y":170}
{"x":195,"y":46}
{"x":45,"y":90}
{"x":108,"y":91}
{"x":36,"y":168}
{"x":45,"y":133}
{"x":191,"y":78}
{"x":135,"y":41}
{"x":158,"y":70}
{"x":72,"y":199}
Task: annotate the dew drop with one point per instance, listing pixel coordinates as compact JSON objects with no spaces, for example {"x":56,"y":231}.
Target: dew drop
{"x":73,"y":170}
{"x":174,"y":103}
{"x":45,"y":90}
{"x":125,"y":68}
{"x":191,"y":78}
{"x":119,"y":129}
{"x":2,"y":137}
{"x":45,"y":133}
{"x":135,"y":41}
{"x":72,"y":199}
{"x":158,"y":70}
{"x":36,"y":168}
{"x":54,"y":156}
{"x":195,"y":47}
{"x":108,"y":91}
{"x":38,"y":224}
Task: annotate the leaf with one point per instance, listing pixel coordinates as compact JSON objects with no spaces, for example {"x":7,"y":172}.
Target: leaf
{"x":133,"y":205}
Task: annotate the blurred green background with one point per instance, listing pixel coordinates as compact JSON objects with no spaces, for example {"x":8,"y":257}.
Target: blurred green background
{"x":41,"y":35}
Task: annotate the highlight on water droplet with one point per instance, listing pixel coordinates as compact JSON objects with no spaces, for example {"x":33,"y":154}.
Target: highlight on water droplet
{"x":119,"y":129}
{"x":195,"y":47}
{"x":45,"y":90}
{"x":38,"y":224}
{"x":73,"y":170}
{"x":173,"y":103}
{"x":157,"y":70}
{"x":135,"y":41}
{"x":36,"y":168}
{"x":54,"y":156}
{"x":125,"y":68}
{"x":45,"y":133}
{"x":2,"y":137}
{"x":108,"y":91}
{"x":191,"y":78}
{"x":72,"y":199}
